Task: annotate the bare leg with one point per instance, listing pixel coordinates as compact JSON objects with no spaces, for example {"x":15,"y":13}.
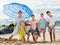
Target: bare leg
{"x":54,"y":35}
{"x":23,"y":40}
{"x":50,"y":36}
{"x":9,"y":38}
{"x":43,"y":36}
{"x":35,"y":37}
{"x":28,"y":37}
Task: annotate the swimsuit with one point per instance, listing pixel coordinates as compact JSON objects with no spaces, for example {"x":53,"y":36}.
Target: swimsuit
{"x":22,"y":32}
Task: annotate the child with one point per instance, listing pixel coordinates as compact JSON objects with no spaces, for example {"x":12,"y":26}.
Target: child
{"x":22,"y":32}
{"x":33,"y":28}
{"x":52,"y":23}
{"x":27,"y":29}
{"x":42,"y":25}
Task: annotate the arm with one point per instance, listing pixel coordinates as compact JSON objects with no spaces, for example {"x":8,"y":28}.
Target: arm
{"x":37,"y":24}
{"x":30,"y":26}
{"x":15,"y":24}
{"x":54,"y":24}
{"x":25,"y":28}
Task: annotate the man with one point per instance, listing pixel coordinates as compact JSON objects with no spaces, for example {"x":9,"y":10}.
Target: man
{"x":16,"y":24}
{"x":51,"y":25}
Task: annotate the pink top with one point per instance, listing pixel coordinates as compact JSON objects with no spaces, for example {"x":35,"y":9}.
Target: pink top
{"x":33,"y":24}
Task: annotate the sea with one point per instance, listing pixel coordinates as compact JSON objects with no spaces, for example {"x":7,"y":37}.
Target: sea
{"x":36,"y":12}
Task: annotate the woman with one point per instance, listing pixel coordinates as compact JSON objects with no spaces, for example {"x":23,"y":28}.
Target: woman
{"x":42,"y":25}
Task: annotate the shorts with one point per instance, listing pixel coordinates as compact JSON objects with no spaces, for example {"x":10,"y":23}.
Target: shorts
{"x":32,"y":30}
{"x":49,"y":29}
{"x":27,"y":31}
{"x":36,"y":31}
{"x":15,"y":32}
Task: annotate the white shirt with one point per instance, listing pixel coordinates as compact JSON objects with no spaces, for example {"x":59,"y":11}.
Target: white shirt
{"x":52,"y":20}
{"x":17,"y":21}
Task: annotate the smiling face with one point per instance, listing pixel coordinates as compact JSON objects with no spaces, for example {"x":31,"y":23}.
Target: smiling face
{"x":41,"y":15}
{"x":48,"y":13}
{"x":22,"y":23}
{"x":27,"y":21}
{"x":33,"y":17}
{"x":19,"y":14}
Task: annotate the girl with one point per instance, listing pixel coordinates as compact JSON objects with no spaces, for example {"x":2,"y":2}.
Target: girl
{"x":42,"y":25}
{"x":27,"y":29}
{"x":22,"y":32}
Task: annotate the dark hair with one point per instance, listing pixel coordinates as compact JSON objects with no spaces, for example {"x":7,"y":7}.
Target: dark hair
{"x":19,"y":12}
{"x":42,"y":14}
{"x":48,"y":12}
{"x":33,"y":15}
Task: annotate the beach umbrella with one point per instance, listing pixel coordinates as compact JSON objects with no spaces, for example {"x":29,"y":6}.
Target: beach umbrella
{"x":12,"y":10}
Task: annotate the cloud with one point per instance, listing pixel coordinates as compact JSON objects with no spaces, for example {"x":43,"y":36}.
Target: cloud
{"x":33,"y":4}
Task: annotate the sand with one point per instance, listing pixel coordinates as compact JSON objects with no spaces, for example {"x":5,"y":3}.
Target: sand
{"x":15,"y":40}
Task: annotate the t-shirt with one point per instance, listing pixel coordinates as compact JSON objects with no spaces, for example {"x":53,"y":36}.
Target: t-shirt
{"x":33,"y":24}
{"x":52,"y":20}
{"x":17,"y":21}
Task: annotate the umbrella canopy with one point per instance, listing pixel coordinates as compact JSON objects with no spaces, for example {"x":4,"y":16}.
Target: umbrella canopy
{"x":12,"y":10}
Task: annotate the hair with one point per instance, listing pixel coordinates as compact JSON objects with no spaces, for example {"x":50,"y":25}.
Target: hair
{"x":19,"y":12}
{"x":26,"y":21}
{"x":20,"y":22}
{"x":48,"y":12}
{"x":42,"y":14}
{"x":33,"y":15}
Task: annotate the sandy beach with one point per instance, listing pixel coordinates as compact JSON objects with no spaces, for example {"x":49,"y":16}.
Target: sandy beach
{"x":15,"y":40}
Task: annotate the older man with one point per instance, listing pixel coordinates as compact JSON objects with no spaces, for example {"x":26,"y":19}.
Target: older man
{"x":16,"y":24}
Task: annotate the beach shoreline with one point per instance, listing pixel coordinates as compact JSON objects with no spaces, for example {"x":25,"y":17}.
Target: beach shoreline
{"x":15,"y":40}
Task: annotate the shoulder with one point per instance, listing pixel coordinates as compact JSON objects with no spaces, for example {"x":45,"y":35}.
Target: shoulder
{"x":55,"y":18}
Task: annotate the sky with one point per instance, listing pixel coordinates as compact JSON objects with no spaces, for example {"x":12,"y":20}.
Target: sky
{"x":33,"y":4}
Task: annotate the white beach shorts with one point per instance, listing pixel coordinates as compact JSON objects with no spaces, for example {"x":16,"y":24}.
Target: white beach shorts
{"x":15,"y":32}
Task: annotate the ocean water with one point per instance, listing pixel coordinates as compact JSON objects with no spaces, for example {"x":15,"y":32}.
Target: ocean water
{"x":36,"y":12}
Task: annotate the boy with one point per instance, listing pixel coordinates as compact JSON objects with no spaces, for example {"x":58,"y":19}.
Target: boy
{"x":33,"y":28}
{"x":51,"y":26}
